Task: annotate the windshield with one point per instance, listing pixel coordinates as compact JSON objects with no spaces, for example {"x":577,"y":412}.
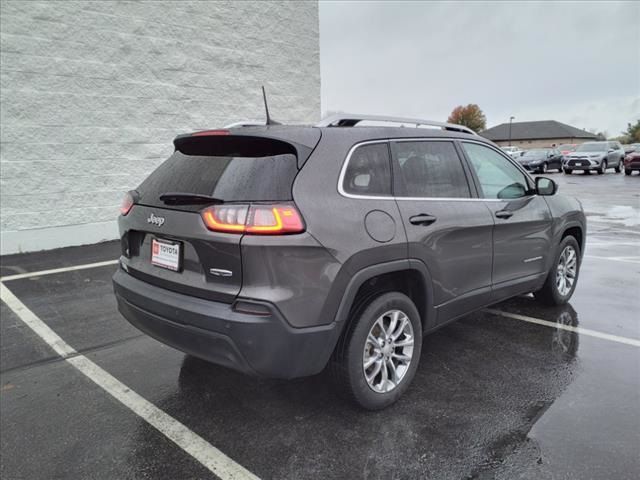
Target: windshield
{"x":592,"y":147}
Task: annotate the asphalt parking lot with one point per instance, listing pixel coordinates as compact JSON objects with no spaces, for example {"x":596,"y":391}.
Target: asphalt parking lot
{"x":515,"y":391}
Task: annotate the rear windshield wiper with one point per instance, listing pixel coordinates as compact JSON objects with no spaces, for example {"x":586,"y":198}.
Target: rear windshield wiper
{"x":178,"y":198}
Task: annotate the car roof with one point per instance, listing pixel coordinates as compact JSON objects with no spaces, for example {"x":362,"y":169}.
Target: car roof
{"x":356,"y":133}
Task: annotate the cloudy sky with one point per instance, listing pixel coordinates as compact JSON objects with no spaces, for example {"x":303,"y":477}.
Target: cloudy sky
{"x":575,"y":62}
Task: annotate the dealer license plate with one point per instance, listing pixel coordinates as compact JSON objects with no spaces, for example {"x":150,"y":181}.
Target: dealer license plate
{"x":165,"y":254}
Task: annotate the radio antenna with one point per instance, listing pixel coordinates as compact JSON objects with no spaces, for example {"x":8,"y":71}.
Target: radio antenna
{"x":266,"y":109}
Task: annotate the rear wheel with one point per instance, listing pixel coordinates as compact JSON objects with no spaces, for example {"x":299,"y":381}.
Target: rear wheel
{"x":376,"y":360}
{"x":603,"y":167}
{"x":562,"y":279}
{"x":620,"y":167}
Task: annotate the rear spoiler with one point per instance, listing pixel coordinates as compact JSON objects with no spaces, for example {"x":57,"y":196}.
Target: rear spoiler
{"x":252,"y":141}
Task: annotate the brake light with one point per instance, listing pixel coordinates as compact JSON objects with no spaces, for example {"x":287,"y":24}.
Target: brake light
{"x":127,"y":203}
{"x":207,"y":133}
{"x":274,"y":219}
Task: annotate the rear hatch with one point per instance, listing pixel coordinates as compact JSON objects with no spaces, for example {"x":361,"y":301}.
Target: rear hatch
{"x":190,"y":258}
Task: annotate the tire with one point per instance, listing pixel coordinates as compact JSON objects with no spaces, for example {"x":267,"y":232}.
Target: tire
{"x":544,"y":167}
{"x":567,"y":171}
{"x":348,"y":362}
{"x":620,"y":167}
{"x":550,"y":293}
{"x":627,"y":171}
{"x":603,"y":167}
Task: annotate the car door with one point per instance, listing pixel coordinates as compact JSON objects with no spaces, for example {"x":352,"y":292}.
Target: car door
{"x":556,"y":159}
{"x":523,"y":224}
{"x":447,"y":227}
{"x":619,"y":154}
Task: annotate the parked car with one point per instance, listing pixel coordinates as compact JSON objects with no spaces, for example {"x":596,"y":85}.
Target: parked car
{"x":632,"y":162}
{"x":567,"y":148}
{"x":542,"y":159}
{"x":597,"y":156}
{"x":514,"y":152}
{"x":278,"y":250}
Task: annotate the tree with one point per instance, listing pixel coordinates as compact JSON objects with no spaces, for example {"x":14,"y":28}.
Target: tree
{"x":633,"y":132}
{"x":602,"y":135}
{"x":470,"y":116}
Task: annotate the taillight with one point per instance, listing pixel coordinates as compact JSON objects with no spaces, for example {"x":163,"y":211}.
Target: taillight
{"x":210,"y":133}
{"x":274,"y":219}
{"x":127,"y":203}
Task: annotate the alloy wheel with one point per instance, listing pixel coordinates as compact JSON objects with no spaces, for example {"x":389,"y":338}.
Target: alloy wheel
{"x":566,"y":270}
{"x":388,"y":351}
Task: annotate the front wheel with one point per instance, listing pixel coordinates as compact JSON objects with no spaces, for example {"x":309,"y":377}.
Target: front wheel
{"x":603,"y":167}
{"x":627,"y":171}
{"x":568,"y":171}
{"x":544,"y":167}
{"x":563,"y":277}
{"x":376,"y":360}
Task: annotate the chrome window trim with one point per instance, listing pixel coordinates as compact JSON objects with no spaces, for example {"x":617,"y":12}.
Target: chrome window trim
{"x":345,"y":164}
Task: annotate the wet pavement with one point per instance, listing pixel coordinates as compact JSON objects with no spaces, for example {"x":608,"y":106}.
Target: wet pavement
{"x":494,"y":397}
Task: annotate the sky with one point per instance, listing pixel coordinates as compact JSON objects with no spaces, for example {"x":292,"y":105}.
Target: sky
{"x":575,"y":62}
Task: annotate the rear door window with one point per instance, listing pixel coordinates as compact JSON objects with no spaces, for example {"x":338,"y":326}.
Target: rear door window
{"x":368,"y":171}
{"x":429,"y":169}
{"x":235,"y":174}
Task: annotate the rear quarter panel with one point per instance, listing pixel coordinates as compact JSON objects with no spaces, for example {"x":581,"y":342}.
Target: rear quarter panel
{"x":338,"y":222}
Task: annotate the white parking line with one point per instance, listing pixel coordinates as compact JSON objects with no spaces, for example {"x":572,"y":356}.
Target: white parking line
{"x":18,"y":276}
{"x":205,"y":453}
{"x":582,"y":331}
{"x":616,"y":259}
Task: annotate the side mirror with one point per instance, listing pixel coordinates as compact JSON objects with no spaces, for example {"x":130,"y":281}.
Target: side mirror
{"x":546,"y":186}
{"x":611,"y":150}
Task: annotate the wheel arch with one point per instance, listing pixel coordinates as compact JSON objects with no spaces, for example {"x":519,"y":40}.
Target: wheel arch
{"x":575,"y":230}
{"x":410,"y":277}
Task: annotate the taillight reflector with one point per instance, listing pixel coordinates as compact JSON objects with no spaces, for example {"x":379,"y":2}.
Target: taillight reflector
{"x":207,"y":133}
{"x":272,"y":219}
{"x":127,"y":203}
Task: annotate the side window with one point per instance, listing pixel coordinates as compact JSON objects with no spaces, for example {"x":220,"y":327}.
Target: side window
{"x":369,"y":171}
{"x":429,"y":169}
{"x":498,"y":177}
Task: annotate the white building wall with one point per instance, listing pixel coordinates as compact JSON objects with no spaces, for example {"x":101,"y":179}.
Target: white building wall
{"x":93,"y":92}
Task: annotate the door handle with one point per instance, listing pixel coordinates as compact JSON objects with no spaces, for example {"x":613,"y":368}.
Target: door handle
{"x":504,"y":214}
{"x":422,"y":219}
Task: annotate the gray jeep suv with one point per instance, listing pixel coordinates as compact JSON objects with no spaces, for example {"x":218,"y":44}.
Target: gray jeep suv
{"x":281,"y":250}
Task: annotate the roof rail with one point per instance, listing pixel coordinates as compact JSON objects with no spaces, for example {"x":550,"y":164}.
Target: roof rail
{"x":352,"y":119}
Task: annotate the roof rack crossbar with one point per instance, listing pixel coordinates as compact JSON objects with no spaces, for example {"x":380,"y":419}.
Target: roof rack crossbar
{"x":351,"y":120}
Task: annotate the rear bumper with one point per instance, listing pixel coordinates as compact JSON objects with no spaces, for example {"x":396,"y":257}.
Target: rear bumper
{"x":263,"y":345}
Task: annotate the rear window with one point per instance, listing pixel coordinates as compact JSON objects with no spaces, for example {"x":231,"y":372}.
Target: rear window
{"x":368,"y":172}
{"x":239,"y":174}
